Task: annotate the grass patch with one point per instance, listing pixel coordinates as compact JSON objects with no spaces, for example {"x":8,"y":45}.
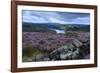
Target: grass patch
{"x":29,"y":53}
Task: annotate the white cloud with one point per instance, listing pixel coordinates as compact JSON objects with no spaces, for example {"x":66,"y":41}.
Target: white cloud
{"x":55,"y":17}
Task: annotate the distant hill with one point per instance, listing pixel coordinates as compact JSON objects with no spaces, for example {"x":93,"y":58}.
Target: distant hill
{"x":33,"y":27}
{"x":46,"y":27}
{"x":85,"y":28}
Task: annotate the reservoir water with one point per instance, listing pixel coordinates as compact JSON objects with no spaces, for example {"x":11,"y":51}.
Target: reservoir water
{"x":59,"y":31}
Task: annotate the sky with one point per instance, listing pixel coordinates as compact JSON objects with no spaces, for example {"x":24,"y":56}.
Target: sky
{"x":33,"y":16}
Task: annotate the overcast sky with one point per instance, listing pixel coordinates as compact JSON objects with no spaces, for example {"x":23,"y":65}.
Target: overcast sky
{"x":55,"y":17}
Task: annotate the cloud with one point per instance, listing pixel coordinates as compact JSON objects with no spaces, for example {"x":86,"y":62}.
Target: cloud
{"x":85,"y":20}
{"x":55,"y":17}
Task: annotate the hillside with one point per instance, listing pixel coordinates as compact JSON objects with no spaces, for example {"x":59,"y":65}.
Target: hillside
{"x":46,"y":27}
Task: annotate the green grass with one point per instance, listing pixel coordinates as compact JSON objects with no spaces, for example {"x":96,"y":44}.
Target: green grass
{"x":29,"y":53}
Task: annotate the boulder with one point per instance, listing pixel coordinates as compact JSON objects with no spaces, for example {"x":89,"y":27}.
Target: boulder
{"x":65,"y":53}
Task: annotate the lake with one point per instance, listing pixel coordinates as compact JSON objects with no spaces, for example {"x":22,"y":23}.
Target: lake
{"x":59,"y":31}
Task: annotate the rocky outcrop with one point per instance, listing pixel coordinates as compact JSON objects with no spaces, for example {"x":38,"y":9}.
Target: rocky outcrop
{"x":68,"y":52}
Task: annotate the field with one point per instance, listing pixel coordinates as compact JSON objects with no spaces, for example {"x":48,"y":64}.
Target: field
{"x":53,"y":41}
